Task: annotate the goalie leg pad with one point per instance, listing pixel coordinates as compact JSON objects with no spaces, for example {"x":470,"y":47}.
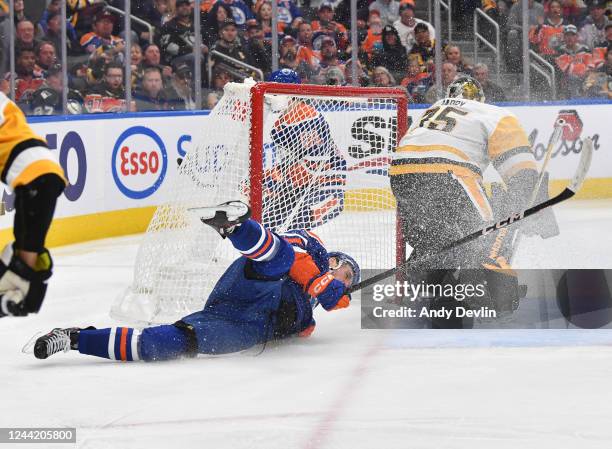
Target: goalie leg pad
{"x":34,"y":208}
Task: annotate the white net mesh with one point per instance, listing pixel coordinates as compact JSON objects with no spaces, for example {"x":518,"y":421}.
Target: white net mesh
{"x":324,"y":168}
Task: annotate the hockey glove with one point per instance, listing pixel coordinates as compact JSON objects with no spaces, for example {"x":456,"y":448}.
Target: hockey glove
{"x":22,"y":289}
{"x":329,"y":292}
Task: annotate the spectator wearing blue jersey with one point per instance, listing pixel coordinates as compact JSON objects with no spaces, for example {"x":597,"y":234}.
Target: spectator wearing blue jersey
{"x":240,"y":11}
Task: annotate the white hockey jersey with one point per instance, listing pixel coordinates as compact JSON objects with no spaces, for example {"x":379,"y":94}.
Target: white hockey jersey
{"x":462,"y":137}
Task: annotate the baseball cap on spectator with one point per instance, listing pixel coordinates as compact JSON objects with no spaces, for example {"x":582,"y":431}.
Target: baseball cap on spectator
{"x":226,"y":23}
{"x":597,"y":4}
{"x":570,"y":29}
{"x":183,"y":2}
{"x":182,"y":68}
{"x":326,"y":6}
{"x":105,"y":14}
{"x":288,"y":39}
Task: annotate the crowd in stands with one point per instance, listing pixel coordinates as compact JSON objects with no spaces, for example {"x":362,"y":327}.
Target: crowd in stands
{"x":396,"y":48}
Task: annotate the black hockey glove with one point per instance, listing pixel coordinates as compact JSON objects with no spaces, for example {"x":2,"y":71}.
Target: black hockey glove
{"x":22,"y":289}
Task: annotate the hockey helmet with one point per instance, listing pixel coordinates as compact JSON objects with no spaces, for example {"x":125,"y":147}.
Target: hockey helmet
{"x":344,"y":258}
{"x":287,"y":76}
{"x":467,"y":88}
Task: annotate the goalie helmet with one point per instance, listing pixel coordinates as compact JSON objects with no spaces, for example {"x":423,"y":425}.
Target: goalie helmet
{"x":287,"y":76}
{"x":344,"y":258}
{"x":467,"y":88}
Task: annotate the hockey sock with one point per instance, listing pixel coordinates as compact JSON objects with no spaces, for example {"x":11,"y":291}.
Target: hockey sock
{"x":115,"y":343}
{"x":254,"y":241}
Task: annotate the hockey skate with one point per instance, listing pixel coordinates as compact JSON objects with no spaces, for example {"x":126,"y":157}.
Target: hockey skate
{"x":58,"y":340}
{"x":225,"y":217}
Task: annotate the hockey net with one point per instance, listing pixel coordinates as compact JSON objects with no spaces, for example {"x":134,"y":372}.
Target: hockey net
{"x":303,"y":157}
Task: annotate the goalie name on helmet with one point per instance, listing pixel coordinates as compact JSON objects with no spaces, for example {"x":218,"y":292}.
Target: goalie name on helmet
{"x":467,"y":88}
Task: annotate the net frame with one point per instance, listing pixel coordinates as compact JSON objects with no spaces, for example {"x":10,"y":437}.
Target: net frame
{"x":258,"y":93}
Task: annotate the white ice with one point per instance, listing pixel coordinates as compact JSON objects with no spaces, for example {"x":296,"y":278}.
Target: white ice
{"x":342,"y":388}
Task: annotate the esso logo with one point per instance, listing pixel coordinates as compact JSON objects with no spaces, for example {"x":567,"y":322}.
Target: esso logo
{"x":139,"y":162}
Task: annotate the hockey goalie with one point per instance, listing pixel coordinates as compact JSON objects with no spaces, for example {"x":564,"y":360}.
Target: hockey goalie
{"x":308,"y":171}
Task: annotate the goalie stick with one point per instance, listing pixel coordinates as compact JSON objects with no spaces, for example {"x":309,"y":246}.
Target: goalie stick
{"x":567,"y":193}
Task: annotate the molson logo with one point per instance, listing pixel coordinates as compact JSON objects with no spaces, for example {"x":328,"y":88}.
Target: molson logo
{"x":139,"y":162}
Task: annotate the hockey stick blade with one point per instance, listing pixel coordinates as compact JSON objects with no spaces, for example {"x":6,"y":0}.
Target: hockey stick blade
{"x":573,"y":187}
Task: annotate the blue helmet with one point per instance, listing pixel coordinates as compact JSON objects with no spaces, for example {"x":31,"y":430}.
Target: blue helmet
{"x":345,"y":258}
{"x":287,"y":76}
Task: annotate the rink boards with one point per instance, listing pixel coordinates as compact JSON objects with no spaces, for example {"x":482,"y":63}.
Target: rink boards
{"x":119,"y":166}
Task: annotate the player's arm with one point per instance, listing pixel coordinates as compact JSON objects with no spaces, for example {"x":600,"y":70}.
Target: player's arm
{"x":310,"y":269}
{"x":28,"y":167}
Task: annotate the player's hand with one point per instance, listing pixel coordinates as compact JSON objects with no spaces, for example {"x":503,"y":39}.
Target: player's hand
{"x":22,"y":288}
{"x":329,"y":291}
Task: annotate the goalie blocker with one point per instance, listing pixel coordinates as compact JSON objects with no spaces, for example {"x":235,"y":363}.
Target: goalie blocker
{"x":30,"y":170}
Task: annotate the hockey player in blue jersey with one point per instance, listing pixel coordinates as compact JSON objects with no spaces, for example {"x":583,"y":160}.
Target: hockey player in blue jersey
{"x":268,"y":293}
{"x":308,"y":171}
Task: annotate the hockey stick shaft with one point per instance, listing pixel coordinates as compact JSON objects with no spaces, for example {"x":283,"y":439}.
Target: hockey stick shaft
{"x":554,"y":138}
{"x":567,"y":193}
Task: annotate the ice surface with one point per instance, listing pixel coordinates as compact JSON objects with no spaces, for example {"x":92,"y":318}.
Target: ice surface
{"x":342,"y":388}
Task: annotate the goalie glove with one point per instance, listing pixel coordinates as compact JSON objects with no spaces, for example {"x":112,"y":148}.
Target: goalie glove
{"x":22,"y":288}
{"x":329,"y":292}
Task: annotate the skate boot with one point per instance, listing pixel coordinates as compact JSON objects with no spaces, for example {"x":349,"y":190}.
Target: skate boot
{"x":225,"y":217}
{"x":57,"y":340}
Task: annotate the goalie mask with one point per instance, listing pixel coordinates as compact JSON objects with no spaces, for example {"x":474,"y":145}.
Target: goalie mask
{"x":286,"y":76}
{"x":467,"y":88}
{"x":344,"y":258}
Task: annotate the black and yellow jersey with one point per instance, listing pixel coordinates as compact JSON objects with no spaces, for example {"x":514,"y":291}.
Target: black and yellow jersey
{"x":463,"y":137}
{"x":24,"y":155}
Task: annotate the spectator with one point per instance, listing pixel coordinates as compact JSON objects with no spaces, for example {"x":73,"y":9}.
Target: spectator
{"x":449,"y":73}
{"x":452,"y":53}
{"x":305,"y":51}
{"x":373,"y":40}
{"x":327,"y":25}
{"x":334,"y":76}
{"x":45,"y":56}
{"x":602,"y":47}
{"x":53,"y":33}
{"x":388,"y":10}
{"x":136,"y":59}
{"x":264,"y":17}
{"x":573,"y":61}
{"x":180,"y":93}
{"x":293,"y":28}
{"x":47,"y":100}
{"x":549,"y":32}
{"x":26,"y":79}
{"x":514,"y":47}
{"x":287,"y":11}
{"x":381,"y":77}
{"x":417,"y":81}
{"x":100,"y":43}
{"x":424,"y":45}
{"x":229,"y":44}
{"x":393,"y":54}
{"x":152,"y":57}
{"x":598,"y":83}
{"x":493,"y":93}
{"x":329,"y":59}
{"x":405,"y":26}
{"x":289,"y":59}
{"x":20,"y":15}
{"x":218,"y":14}
{"x":220,"y":78}
{"x":177,"y":35}
{"x":258,"y":49}
{"x":150,"y":96}
{"x":572,"y":11}
{"x":109,"y":95}
{"x":362,"y":76}
{"x":240,"y":11}
{"x":594,"y":28}
{"x":24,"y":32}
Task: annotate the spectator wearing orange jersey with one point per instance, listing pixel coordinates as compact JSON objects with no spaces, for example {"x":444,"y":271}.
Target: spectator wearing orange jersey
{"x":305,"y":52}
{"x":332,"y":28}
{"x":601,"y":48}
{"x":549,"y":34}
{"x":573,"y":61}
{"x":373,"y":39}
